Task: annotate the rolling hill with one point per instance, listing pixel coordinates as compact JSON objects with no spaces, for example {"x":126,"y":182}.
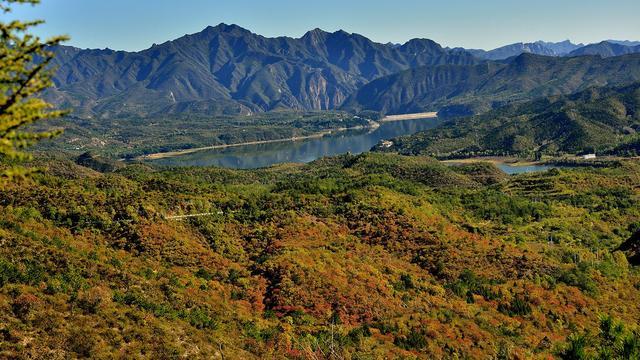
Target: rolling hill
{"x":594,"y":119}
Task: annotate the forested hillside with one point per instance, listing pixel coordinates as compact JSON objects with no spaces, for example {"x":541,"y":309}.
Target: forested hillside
{"x":598,"y":119}
{"x":370,"y":256}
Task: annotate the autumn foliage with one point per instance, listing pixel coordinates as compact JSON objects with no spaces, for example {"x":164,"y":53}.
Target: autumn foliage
{"x":348,"y":257}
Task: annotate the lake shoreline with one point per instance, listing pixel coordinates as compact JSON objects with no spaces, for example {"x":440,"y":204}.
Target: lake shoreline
{"x":372,"y":126}
{"x":163,"y":155}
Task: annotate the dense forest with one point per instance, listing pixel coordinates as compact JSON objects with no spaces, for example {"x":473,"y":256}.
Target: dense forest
{"x":368,"y":256}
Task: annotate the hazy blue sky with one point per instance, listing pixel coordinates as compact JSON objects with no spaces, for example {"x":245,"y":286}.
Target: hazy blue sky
{"x":136,"y":24}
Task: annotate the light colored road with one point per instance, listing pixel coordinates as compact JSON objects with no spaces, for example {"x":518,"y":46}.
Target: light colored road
{"x":180,"y":217}
{"x":424,"y":115}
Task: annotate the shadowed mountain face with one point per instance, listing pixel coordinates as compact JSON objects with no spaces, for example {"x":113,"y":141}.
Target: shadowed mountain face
{"x":468,"y":89}
{"x":228,"y":70}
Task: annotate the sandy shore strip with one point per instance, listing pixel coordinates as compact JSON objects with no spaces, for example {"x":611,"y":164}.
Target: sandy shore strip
{"x":415,"y":116}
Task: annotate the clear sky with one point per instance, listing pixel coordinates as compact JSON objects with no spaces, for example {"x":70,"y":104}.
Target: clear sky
{"x":136,"y":24}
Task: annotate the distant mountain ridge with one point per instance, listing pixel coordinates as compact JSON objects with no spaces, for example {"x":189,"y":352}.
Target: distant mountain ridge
{"x":228,"y":69}
{"x":605,"y":48}
{"x":538,"y":47}
{"x":469,"y":89}
{"x":624,"y":42}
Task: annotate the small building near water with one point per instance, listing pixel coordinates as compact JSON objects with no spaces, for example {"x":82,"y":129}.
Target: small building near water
{"x":386,"y":144}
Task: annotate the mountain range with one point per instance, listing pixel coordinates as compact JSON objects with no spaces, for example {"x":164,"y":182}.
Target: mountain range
{"x":229,"y":70}
{"x":625,"y":42}
{"x":538,"y":47}
{"x":605,"y":48}
{"x":468,"y":89}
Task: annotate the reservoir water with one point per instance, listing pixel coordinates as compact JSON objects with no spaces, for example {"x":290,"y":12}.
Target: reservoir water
{"x":511,"y":170}
{"x":301,"y":151}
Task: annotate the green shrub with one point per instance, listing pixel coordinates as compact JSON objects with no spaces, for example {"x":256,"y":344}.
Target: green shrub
{"x":519,"y":306}
{"x":415,"y":340}
{"x":9,"y":273}
{"x":613,"y":341}
{"x":469,"y":284}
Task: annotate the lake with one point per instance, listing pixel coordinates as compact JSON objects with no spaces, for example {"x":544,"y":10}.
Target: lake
{"x":301,"y":151}
{"x":511,"y":170}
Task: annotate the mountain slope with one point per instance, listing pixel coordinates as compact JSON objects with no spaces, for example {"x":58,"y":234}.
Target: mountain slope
{"x":538,"y":48}
{"x":370,"y":256}
{"x":606,"y":49}
{"x":409,"y":91}
{"x":624,"y":42}
{"x":467,"y":89}
{"x":228,"y":69}
{"x":594,"y":119}
{"x":565,"y":48}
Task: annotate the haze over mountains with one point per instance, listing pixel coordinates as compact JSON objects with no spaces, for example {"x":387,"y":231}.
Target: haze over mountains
{"x":229,"y":70}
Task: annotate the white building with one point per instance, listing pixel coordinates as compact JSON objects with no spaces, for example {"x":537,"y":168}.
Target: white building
{"x":386,"y":144}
